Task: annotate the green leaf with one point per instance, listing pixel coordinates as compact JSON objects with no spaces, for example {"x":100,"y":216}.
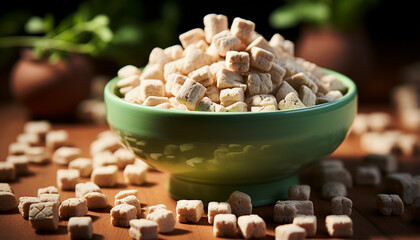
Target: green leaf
{"x":99,"y":21}
{"x":105,"y":34}
{"x":48,"y":22}
{"x":284,"y":17}
{"x":128,"y":34}
{"x":35,"y":25}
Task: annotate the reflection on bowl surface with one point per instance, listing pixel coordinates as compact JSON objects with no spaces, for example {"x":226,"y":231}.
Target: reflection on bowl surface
{"x":209,"y":155}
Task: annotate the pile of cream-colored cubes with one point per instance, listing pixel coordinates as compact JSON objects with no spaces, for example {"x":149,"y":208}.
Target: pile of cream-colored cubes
{"x":219,"y":69}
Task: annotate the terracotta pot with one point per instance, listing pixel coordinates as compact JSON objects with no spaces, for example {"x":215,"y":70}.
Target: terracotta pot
{"x":344,"y":52}
{"x":51,"y":91}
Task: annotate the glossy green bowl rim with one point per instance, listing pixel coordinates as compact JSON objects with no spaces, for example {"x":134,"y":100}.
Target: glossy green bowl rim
{"x":348,"y":96}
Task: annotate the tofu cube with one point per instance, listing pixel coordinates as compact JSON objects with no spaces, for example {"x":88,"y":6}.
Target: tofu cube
{"x":286,"y":211}
{"x":192,"y":36}
{"x":164,"y":218}
{"x":64,"y":155}
{"x":404,"y":185}
{"x":20,"y":163}
{"x":56,"y":138}
{"x":213,"y":93}
{"x":291,"y":101}
{"x":262,"y":100}
{"x":174,"y":52}
{"x":307,"y":97}
{"x":122,"y":214}
{"x":339,"y":225}
{"x":252,"y":226}
{"x":333,"y":189}
{"x":37,"y":127}
{"x":128,"y":71}
{"x":125,"y":193}
{"x":385,"y":163}
{"x":237,"y":107}
{"x":31,"y":139}
{"x":83,"y":188}
{"x":102,"y":159}
{"x":202,"y":76}
{"x":277,"y":73}
{"x":130,"y":200}
{"x":229,"y":79}
{"x":152,"y":71}
{"x":73,"y":207}
{"x":80,"y":228}
{"x":224,"y":225}
{"x":105,"y":176}
{"x":18,"y":148}
{"x":67,"y":178}
{"x":237,"y":61}
{"x":225,"y":41}
{"x":7,"y":172}
{"x":299,"y":79}
{"x":194,"y":59}
{"x":213,"y":24}
{"x":143,"y":229}
{"x":151,"y":87}
{"x":308,"y":223}
{"x":240,"y":203}
{"x":189,"y":211}
{"x":8,"y":200}
{"x":243,"y":29}
{"x":190,"y":93}
{"x":38,"y":155}
{"x":259,"y":83}
{"x":83,"y":165}
{"x":96,"y":200}
{"x":215,"y":208}
{"x":135,"y":174}
{"x":341,"y":206}
{"x":299,"y":192}
{"x":24,"y":205}
{"x":50,"y":197}
{"x":368,"y":176}
{"x":47,"y":190}
{"x":283,"y":90}
{"x":44,"y":216}
{"x":174,"y":83}
{"x":125,"y":157}
{"x":261,"y":59}
{"x":389,"y":204}
{"x":289,"y":232}
{"x":230,"y":96}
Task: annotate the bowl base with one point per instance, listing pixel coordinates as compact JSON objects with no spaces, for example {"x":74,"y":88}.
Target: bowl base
{"x":261,"y":194}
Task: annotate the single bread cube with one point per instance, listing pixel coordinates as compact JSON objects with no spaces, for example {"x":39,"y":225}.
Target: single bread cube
{"x":128,"y":71}
{"x":230,"y":96}
{"x":240,"y":203}
{"x":341,"y":206}
{"x":18,"y":148}
{"x":158,"y":56}
{"x":403,"y":185}
{"x":225,"y":41}
{"x":291,"y":101}
{"x":277,"y":73}
{"x":31,"y":139}
{"x":289,"y":232}
{"x":308,"y":223}
{"x":131,"y":81}
{"x":135,"y":174}
{"x":307,"y":96}
{"x":229,"y":79}
{"x":38,"y":155}
{"x":261,"y":59}
{"x":80,"y":228}
{"x":8,"y":199}
{"x":174,"y":52}
{"x":122,"y":214}
{"x":286,"y":211}
{"x":105,"y":176}
{"x":415,"y":210}
{"x":339,"y":225}
{"x":44,"y":216}
{"x":259,"y":83}
{"x":251,"y":226}
{"x":151,"y":87}
{"x":237,"y":107}
{"x":213,"y":93}
{"x":288,"y":47}
{"x":190,"y":93}
{"x":368,"y":175}
{"x":102,"y":159}
{"x":194,"y":59}
{"x":389,"y":204}
{"x":243,"y":29}
{"x":215,"y":208}
{"x":20,"y":163}
{"x":154,"y":101}
{"x":87,"y":187}
{"x":47,"y":190}
{"x":333,"y":189}
{"x":299,"y":192}
{"x":189,"y":211}
{"x":237,"y":61}
{"x":386,"y":163}
{"x":124,"y":193}
{"x":224,"y":225}
{"x":130,"y":200}
{"x":25,"y":203}
{"x":151,"y":209}
{"x":164,"y":218}
{"x":96,"y":200}
{"x":50,"y":197}
{"x":285,"y":89}
{"x":261,"y":100}
{"x":260,"y":42}
{"x":192,"y":36}
{"x":299,"y":79}
{"x":83,"y":165}
{"x":276,"y":41}
{"x":37,"y":127}
{"x":152,"y":71}
{"x":202,"y":76}
{"x":143,"y":229}
{"x":56,"y":138}
{"x":7,"y":172}
{"x":174,"y":83}
{"x":213,"y":24}
{"x":73,"y":207}
{"x":173,"y":67}
{"x":123,"y":156}
{"x":131,"y":94}
{"x":64,"y":155}
{"x":67,"y":178}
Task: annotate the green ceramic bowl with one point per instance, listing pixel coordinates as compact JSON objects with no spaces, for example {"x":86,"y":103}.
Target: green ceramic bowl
{"x":209,"y":155}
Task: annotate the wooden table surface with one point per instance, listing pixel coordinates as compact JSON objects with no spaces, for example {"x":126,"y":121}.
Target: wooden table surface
{"x":367,"y":223}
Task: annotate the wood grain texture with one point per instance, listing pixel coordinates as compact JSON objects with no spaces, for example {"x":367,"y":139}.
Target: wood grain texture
{"x":367,"y":223}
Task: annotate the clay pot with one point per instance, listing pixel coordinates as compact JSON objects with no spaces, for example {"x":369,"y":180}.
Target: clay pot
{"x":345,"y":52}
{"x":51,"y":90}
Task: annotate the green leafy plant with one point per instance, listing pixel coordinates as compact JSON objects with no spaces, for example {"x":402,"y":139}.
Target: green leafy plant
{"x":339,"y":14}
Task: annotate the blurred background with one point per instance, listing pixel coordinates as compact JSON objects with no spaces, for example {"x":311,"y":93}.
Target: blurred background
{"x":374,"y":42}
